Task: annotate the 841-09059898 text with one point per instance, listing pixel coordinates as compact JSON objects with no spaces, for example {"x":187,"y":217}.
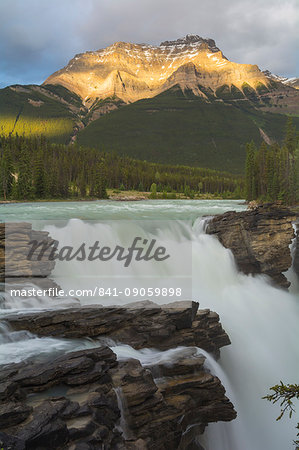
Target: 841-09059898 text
{"x":100,"y":292}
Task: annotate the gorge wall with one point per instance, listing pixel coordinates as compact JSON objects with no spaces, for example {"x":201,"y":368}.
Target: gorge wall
{"x":259,"y":239}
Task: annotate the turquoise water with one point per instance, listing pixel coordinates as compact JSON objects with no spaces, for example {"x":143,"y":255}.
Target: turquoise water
{"x":261,"y":320}
{"x":109,"y":210}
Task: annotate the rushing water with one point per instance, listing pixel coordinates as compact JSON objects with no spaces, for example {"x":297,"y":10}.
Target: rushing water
{"x":262,"y":321}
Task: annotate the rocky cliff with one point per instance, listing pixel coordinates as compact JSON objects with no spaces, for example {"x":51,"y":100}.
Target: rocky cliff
{"x":140,"y":325}
{"x":89,"y":399}
{"x":132,"y":72}
{"x":15,"y":245}
{"x":259,"y":239}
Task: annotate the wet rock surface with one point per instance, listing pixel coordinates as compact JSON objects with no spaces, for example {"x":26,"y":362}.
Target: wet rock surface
{"x":89,"y":399}
{"x":259,"y":239}
{"x":15,"y":245}
{"x":141,"y":325}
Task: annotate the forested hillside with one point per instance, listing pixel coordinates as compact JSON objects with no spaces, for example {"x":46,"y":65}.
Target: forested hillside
{"x":182,"y":128}
{"x":174,"y":127}
{"x":32,"y":110}
{"x":33,"y":168}
{"x":272,"y":172}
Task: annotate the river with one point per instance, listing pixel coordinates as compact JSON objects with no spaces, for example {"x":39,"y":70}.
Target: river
{"x":261,"y":320}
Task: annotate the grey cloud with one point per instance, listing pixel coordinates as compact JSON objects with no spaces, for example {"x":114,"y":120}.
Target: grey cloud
{"x":38,"y":37}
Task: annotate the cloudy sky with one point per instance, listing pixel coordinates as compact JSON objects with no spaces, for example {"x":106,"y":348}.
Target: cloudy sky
{"x":38,"y":37}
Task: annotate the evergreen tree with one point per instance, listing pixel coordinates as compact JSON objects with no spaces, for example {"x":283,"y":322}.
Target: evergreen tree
{"x":100,"y":186}
{"x":44,"y":170}
{"x":39,"y":178}
{"x":6,"y":173}
{"x":250,"y":172}
{"x":285,"y":394}
{"x":24,"y":187}
{"x":272,"y":172}
{"x":81,"y":183}
{"x":140,"y":187}
{"x":291,"y":137}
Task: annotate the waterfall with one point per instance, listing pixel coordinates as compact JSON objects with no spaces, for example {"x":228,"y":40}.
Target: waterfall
{"x":9,"y":336}
{"x":222,"y":436}
{"x":261,"y":320}
{"x":81,"y":276}
{"x":121,"y":403}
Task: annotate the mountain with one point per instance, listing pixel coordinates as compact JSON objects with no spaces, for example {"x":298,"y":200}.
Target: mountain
{"x":293,"y":82}
{"x":182,"y":128}
{"x":182,"y":102}
{"x":132,"y":72}
{"x":34,"y":110}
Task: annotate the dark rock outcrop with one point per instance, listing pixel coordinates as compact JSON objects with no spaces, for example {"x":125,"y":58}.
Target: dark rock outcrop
{"x":141,"y":325}
{"x":159,"y":411}
{"x":15,"y":239}
{"x":89,"y":400}
{"x":192,"y":39}
{"x":55,"y":418}
{"x":259,"y":239}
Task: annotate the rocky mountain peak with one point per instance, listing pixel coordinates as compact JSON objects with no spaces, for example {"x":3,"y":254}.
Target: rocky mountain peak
{"x":190,"y":39}
{"x":132,"y":72}
{"x":293,"y":82}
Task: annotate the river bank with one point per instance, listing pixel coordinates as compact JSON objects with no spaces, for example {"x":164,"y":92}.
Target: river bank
{"x":116,"y":195}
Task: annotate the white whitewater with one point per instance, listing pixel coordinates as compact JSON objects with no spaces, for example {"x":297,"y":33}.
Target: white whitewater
{"x":218,"y":436}
{"x":16,"y":346}
{"x":262,"y":321}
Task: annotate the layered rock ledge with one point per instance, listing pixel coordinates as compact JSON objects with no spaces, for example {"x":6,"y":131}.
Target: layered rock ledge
{"x":143,"y":324}
{"x":259,"y":239}
{"x":90,"y":400}
{"x":15,"y":239}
